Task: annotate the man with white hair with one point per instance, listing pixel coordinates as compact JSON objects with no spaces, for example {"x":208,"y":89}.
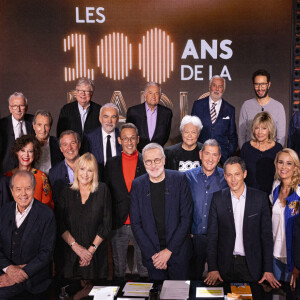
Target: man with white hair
{"x":218,"y":118}
{"x":160,"y":216}
{"x":12,"y":127}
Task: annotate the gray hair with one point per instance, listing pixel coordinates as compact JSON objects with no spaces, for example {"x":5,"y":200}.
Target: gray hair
{"x":110,"y":105}
{"x":69,"y":132}
{"x":191,"y":120}
{"x":130,"y":126}
{"x":17,"y":94}
{"x":211,"y":142}
{"x":86,"y":81}
{"x":43,"y":113}
{"x":153,"y":146}
{"x":235,"y":160}
{"x":152,"y":83}
{"x":217,"y":77}
{"x":23,"y":173}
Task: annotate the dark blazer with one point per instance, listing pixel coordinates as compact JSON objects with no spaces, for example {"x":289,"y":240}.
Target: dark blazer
{"x":8,"y":161}
{"x":5,"y":193}
{"x":137,"y":115}
{"x":223,"y":130}
{"x":172,"y":155}
{"x":178,"y":219}
{"x":257,"y":233}
{"x":69,"y":118}
{"x":114,"y":178}
{"x":36,"y":246}
{"x":296,"y":242}
{"x":55,"y":153}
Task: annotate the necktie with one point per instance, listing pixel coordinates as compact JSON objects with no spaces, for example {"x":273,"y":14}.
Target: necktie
{"x":213,"y":113}
{"x":108,"y":148}
{"x":21,"y":129}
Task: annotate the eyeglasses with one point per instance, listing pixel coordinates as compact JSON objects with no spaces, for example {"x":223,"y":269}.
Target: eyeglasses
{"x":156,"y":161}
{"x":82,"y":92}
{"x":15,"y":107}
{"x":263,"y":85}
{"x":131,"y":139}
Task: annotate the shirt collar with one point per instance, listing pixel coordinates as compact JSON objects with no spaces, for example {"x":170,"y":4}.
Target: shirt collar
{"x":81,"y":110}
{"x":15,"y":123}
{"x":26,"y":211}
{"x":104,"y":134}
{"x":148,"y":108}
{"x":243,"y":196}
{"x":216,"y":102}
{"x":213,"y":174}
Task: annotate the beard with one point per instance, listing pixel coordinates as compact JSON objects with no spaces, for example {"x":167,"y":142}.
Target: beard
{"x":264,"y":95}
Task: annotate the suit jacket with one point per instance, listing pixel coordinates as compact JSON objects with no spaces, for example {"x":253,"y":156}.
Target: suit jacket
{"x":257,"y":233}
{"x":56,"y":155}
{"x":223,"y":130}
{"x":296,"y":242}
{"x":5,"y":193}
{"x":137,"y":115}
{"x":178,"y":218}
{"x":8,"y":161}
{"x":69,"y":118}
{"x":114,"y":178}
{"x":37,"y":244}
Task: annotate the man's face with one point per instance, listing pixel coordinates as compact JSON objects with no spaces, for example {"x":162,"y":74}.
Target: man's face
{"x":210,"y":157}
{"x":84,"y":95}
{"x":261,"y":86}
{"x":235,"y":176}
{"x":17,"y":107}
{"x":22,"y":191}
{"x":42,"y":128}
{"x":69,"y":147}
{"x":217,"y":89}
{"x":109,"y":119}
{"x":152,"y":96}
{"x":154,"y":164}
{"x":129,"y":140}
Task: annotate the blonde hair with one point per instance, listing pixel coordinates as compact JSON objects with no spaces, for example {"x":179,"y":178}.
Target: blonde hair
{"x":86,"y":160}
{"x":296,"y":176}
{"x":264,"y":118}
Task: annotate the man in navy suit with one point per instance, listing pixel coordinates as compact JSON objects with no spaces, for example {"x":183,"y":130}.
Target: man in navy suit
{"x":161,"y":217}
{"x":12,"y":127}
{"x":27,"y":237}
{"x":240,"y":241}
{"x":218,"y":118}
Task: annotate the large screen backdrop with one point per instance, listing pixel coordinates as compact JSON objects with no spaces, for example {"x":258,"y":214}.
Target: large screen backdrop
{"x":47,"y":45}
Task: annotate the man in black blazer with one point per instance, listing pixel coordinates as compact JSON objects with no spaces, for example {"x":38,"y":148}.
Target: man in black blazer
{"x":12,"y":127}
{"x":81,"y":115}
{"x":240,"y":241}
{"x":27,"y":238}
{"x":119,"y":174}
{"x":50,"y":152}
{"x":152,"y":119}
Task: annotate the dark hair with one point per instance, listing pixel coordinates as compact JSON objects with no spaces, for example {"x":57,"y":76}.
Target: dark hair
{"x":23,"y":141}
{"x":261,"y":72}
{"x":43,"y":113}
{"x":235,"y":160}
{"x":130,"y":126}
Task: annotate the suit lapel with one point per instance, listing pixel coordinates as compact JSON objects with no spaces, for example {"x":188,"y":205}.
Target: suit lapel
{"x":119,"y":177}
{"x":77,"y":118}
{"x":144,"y":121}
{"x":207,"y":108}
{"x":168,"y":199}
{"x":247,"y":211}
{"x":228,"y":202}
{"x":118,"y":146}
{"x":220,"y":115}
{"x":10,"y":129}
{"x":158,"y":119}
{"x":147,"y":204}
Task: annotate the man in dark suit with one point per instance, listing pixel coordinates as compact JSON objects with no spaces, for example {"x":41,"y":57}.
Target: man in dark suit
{"x":12,"y":127}
{"x":119,"y":174}
{"x":240,"y":241}
{"x":82,"y":115}
{"x":103,"y":141}
{"x":152,"y":119}
{"x":27,"y":237}
{"x":161,"y":217}
{"x":218,"y":118}
{"x":50,"y":152}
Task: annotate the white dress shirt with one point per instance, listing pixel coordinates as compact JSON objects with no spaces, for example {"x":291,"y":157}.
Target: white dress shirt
{"x":112,"y":143}
{"x":16,"y":127}
{"x":217,"y":105}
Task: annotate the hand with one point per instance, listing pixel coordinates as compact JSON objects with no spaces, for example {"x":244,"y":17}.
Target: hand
{"x":271,"y":279}
{"x":161,"y":258}
{"x":294,"y":277}
{"x":83,"y":263}
{"x":5,"y":281}
{"x":83,"y":253}
{"x":16,"y":274}
{"x":213,"y":277}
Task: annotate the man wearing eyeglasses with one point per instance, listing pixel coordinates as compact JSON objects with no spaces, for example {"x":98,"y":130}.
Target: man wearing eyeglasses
{"x":12,"y":127}
{"x":262,"y":102}
{"x":120,"y":171}
{"x":82,"y":115}
{"x":161,"y":216}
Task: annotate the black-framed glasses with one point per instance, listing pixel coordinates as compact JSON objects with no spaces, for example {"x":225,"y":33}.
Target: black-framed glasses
{"x":132,"y":139}
{"x":263,"y":85}
{"x":82,"y":92}
{"x":156,"y":161}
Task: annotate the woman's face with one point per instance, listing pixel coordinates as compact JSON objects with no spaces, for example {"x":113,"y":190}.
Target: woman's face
{"x":190,"y":135}
{"x":26,"y":155}
{"x":85,"y":175}
{"x":261,"y":132}
{"x":285,"y":166}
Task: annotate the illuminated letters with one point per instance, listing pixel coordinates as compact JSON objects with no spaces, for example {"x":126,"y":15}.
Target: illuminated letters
{"x":89,"y":15}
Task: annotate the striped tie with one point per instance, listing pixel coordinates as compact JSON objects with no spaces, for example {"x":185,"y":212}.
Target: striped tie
{"x":213,"y":113}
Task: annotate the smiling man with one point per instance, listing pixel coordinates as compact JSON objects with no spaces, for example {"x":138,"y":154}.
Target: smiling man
{"x":161,"y":216}
{"x":262,"y":102}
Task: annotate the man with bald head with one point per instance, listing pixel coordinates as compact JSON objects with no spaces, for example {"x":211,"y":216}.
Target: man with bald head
{"x":27,"y":237}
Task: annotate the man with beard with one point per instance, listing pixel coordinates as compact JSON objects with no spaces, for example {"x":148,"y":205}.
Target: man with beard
{"x":262,"y":102}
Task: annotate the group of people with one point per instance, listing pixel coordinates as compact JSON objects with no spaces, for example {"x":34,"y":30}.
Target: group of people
{"x":181,"y":207}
